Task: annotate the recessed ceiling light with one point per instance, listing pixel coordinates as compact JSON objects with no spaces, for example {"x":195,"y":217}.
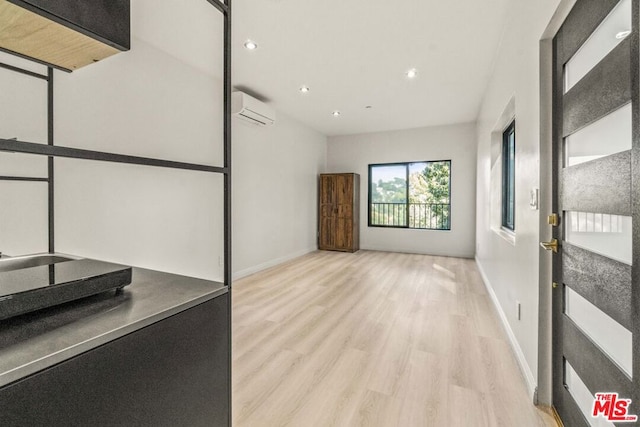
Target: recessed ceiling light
{"x":336,"y":113}
{"x":304,"y":89}
{"x":250,"y":45}
{"x":412,"y":73}
{"x":623,"y":34}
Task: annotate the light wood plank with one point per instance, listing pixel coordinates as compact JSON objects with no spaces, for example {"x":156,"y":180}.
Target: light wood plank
{"x":373,"y":339}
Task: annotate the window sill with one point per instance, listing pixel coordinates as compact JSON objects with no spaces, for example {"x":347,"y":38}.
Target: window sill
{"x":397,"y":227}
{"x":506,"y":234}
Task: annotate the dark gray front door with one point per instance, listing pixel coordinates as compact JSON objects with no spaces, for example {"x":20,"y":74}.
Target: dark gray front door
{"x":595,"y":303}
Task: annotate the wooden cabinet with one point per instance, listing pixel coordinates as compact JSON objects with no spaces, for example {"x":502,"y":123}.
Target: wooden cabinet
{"x":339,"y":212}
{"x":67,"y":34}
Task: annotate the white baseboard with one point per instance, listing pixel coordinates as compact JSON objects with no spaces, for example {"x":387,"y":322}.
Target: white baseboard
{"x":267,"y":264}
{"x":522,"y":361}
{"x":418,"y":252}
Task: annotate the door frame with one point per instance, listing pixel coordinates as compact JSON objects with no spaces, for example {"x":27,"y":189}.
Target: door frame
{"x":544,"y":393}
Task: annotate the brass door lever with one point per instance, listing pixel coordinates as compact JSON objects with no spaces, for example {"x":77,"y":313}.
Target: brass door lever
{"x":551,"y":246}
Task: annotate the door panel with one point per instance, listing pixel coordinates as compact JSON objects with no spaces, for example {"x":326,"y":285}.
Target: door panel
{"x":327,"y":212}
{"x":344,"y":192}
{"x":344,"y":206}
{"x":345,"y":211}
{"x":603,"y":90}
{"x":609,"y":336}
{"x":593,"y":318}
{"x":327,"y":226}
{"x":599,"y":44}
{"x":609,"y":135}
{"x":580,"y":24}
{"x":571,"y":413}
{"x":344,"y":237}
{"x":581,"y":398}
{"x":601,"y":280}
{"x":327,"y":183}
{"x":601,"y":185}
{"x":601,"y":372}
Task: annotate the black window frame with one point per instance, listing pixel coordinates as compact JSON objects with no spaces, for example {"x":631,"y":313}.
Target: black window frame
{"x":509,"y":175}
{"x":406,"y":164}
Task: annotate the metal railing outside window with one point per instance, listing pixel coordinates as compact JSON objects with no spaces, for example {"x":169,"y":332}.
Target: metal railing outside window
{"x":430,"y":216}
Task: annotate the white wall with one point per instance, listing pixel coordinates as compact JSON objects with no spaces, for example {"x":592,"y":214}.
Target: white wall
{"x":353,"y":153}
{"x":162,"y":99}
{"x":275,"y":176}
{"x":511,"y":266}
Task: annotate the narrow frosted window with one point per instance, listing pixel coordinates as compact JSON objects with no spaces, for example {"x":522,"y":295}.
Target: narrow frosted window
{"x":583,"y":396}
{"x":604,"y":234}
{"x":613,"y":338}
{"x":615,"y":28}
{"x":609,"y":135}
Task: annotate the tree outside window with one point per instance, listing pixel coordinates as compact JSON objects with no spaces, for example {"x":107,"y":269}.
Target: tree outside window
{"x":410,"y":195}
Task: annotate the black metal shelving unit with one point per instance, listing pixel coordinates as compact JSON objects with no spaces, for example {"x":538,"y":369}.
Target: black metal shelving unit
{"x":21,"y":147}
{"x":51,"y":150}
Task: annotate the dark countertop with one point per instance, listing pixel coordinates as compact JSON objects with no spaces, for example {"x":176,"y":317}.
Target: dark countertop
{"x":36,"y":341}
{"x":44,"y":276}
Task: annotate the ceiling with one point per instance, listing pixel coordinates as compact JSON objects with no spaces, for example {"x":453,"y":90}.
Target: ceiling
{"x":355,"y":53}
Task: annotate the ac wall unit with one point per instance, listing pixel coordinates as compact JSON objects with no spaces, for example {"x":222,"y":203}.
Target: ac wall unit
{"x":248,"y":108}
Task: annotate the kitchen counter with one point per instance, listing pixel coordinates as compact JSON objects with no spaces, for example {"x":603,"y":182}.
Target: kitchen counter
{"x":33,"y":342}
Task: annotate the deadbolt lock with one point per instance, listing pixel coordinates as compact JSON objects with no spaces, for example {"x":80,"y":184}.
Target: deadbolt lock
{"x":553,"y":219}
{"x":554,"y":285}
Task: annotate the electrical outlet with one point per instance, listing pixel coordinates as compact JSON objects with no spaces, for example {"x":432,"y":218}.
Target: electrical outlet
{"x":518,"y":312}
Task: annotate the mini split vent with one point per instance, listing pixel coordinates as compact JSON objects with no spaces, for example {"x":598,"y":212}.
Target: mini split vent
{"x":248,"y":108}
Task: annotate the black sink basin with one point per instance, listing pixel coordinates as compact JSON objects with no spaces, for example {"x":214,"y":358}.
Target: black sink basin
{"x":34,"y":282}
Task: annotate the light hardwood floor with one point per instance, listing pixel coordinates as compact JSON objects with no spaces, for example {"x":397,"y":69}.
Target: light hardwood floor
{"x":373,"y":339}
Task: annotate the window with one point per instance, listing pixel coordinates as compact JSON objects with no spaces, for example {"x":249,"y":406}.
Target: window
{"x":410,"y":195}
{"x":509,"y":177}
